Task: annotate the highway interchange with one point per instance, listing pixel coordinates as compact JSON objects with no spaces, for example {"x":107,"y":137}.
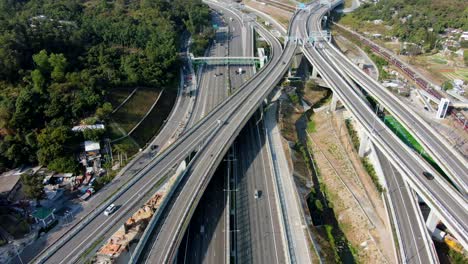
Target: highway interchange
{"x":240,"y":104}
{"x":205,"y":240}
{"x":168,"y":237}
{"x":251,"y":214}
{"x":220,"y":126}
{"x":448,"y":204}
{"x":404,"y":208}
{"x":245,"y":194}
{"x":445,"y":155}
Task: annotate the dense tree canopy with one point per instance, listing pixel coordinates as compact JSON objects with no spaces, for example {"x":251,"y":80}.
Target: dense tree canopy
{"x":59,"y":58}
{"x":417,"y":21}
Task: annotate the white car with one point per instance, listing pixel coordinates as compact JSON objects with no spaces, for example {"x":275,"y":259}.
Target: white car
{"x":110,"y":209}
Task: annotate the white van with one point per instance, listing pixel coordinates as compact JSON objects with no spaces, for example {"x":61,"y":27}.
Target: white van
{"x":110,"y":209}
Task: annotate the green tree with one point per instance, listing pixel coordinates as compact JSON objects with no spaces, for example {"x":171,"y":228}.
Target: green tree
{"x":27,"y":107}
{"x":32,"y":186}
{"x":41,"y":61}
{"x":38,"y":80}
{"x":104,"y":111}
{"x":447,"y":85}
{"x":56,"y":71}
{"x":93,"y":134}
{"x":64,"y":164}
{"x":51,"y":142}
{"x":318,"y":205}
{"x":465,"y":57}
{"x":58,"y":62}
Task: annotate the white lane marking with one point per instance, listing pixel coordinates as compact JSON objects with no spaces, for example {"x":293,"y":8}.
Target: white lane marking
{"x":267,"y":190}
{"x":406,"y":210}
{"x":99,"y":228}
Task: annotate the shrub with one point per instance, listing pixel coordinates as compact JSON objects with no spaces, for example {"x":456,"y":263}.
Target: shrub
{"x":371,"y":171}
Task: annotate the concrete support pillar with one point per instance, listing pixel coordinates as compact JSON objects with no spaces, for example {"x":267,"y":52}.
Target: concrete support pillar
{"x":314,"y":72}
{"x":334,"y":102}
{"x":364,"y":144}
{"x":377,"y":165}
{"x":432,"y":221}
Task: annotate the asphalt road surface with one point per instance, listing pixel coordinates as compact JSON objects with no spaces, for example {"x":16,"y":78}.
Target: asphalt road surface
{"x":407,"y":215}
{"x":204,"y":240}
{"x":449,"y":204}
{"x":210,"y":217}
{"x":168,"y":235}
{"x":258,"y":231}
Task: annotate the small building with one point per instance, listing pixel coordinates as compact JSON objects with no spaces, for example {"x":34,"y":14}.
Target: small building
{"x":10,"y":184}
{"x":44,"y":216}
{"x":92,"y":148}
{"x":81,"y":128}
{"x":464,"y":36}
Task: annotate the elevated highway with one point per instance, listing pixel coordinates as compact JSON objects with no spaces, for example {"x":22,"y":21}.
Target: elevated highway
{"x":215,"y":133}
{"x":443,"y":198}
{"x":224,"y":121}
{"x":162,"y":247}
{"x":410,"y":229}
{"x":205,"y":240}
{"x":166,"y":240}
{"x":445,"y":155}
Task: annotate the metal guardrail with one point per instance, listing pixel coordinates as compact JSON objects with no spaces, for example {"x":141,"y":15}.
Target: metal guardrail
{"x":459,"y":182}
{"x":423,"y":191}
{"x":204,"y":182}
{"x":151,"y":225}
{"x":287,"y":224}
{"x":145,"y":236}
{"x":44,"y":255}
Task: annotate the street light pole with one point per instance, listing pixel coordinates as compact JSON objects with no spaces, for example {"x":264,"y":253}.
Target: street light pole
{"x":16,"y":251}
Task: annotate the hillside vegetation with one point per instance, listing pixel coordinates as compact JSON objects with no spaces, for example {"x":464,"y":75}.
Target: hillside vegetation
{"x":59,"y":59}
{"x":417,"y":21}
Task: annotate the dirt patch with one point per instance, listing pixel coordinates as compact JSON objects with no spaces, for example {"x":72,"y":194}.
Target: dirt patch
{"x":279,"y":15}
{"x":316,"y":95}
{"x":358,"y":207}
{"x":289,"y":114}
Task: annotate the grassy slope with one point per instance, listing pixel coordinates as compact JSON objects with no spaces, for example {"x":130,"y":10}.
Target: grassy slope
{"x":135,"y":108}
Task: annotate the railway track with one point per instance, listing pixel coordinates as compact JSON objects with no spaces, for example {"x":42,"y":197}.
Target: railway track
{"x":279,"y":5}
{"x":423,"y":84}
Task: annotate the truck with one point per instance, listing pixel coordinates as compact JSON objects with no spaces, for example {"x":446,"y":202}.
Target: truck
{"x":87,"y":194}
